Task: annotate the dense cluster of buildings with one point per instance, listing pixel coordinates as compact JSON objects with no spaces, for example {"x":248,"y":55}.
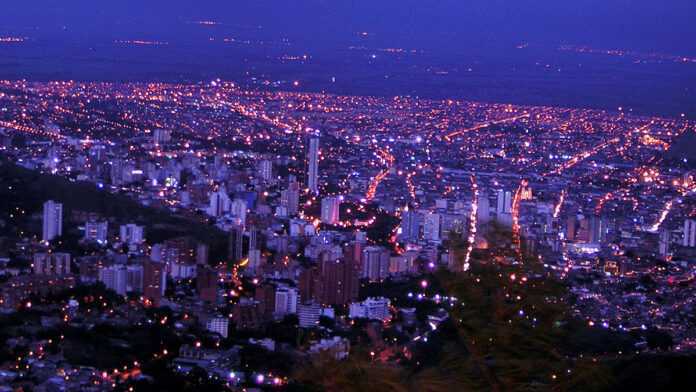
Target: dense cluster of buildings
{"x":319,"y":196}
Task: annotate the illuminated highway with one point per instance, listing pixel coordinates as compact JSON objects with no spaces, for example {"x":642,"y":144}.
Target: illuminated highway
{"x":581,"y":157}
{"x":454,"y":134}
{"x":473,"y":222}
{"x":387,"y":159}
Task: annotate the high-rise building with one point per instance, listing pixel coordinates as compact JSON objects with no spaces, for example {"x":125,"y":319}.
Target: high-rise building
{"x":664,"y":243}
{"x":97,"y":152}
{"x":352,"y":253}
{"x":182,"y":270}
{"x":238,"y":209}
{"x":161,"y":136}
{"x":253,"y":238}
{"x":375,"y":263}
{"x":399,"y":265}
{"x":154,"y":281}
{"x":309,"y":284}
{"x":431,"y":226}
{"x":690,"y":233}
{"x":218,"y":324}
{"x":247,"y":314}
{"x":571,"y":227}
{"x":116,"y":171}
{"x":255,"y":262}
{"x":339,"y":282}
{"x":483,"y":213}
{"x":202,"y":252}
{"x":285,"y":301}
{"x":131,"y":234}
{"x":134,"y":280}
{"x":309,"y":314}
{"x":282,"y":244}
{"x":121,"y":278}
{"x":52,"y":158}
{"x":219,"y":202}
{"x":371,"y":308}
{"x":504,"y":207}
{"x":334,"y":281}
{"x":265,"y":170}
{"x":504,"y":202}
{"x":115,"y":277}
{"x":96,"y":231}
{"x":290,"y":198}
{"x":180,"y":250}
{"x":207,"y":283}
{"x":409,"y":230}
{"x":52,"y":220}
{"x":236,"y":243}
{"x":265,"y":296}
{"x":597,"y":230}
{"x":52,"y":264}
{"x":330,"y":210}
{"x":583,"y":232}
{"x":360,"y":236}
{"x":313,"y":165}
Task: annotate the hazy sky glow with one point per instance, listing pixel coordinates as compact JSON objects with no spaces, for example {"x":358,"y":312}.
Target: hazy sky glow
{"x":444,"y":48}
{"x":666,"y":26}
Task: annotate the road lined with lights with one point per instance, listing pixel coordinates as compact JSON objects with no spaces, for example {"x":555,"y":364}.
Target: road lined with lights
{"x":388,"y":159}
{"x":581,"y":157}
{"x":473,"y":222}
{"x":449,"y":136}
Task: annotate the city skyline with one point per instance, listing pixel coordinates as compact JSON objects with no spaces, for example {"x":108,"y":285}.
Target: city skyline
{"x":342,"y":195}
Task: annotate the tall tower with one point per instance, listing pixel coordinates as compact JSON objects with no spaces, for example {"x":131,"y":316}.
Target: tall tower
{"x":313,"y":165}
{"x":290,"y":198}
{"x":154,"y":281}
{"x":432,"y":226}
{"x":597,"y":230}
{"x":219,"y":202}
{"x":236,"y":243}
{"x":690,"y":233}
{"x":330,"y":208}
{"x":410,"y":225}
{"x":375,"y":263}
{"x":131,"y":234}
{"x":52,"y":220}
{"x":484,"y":208}
{"x":253,"y":233}
{"x":265,"y":170}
